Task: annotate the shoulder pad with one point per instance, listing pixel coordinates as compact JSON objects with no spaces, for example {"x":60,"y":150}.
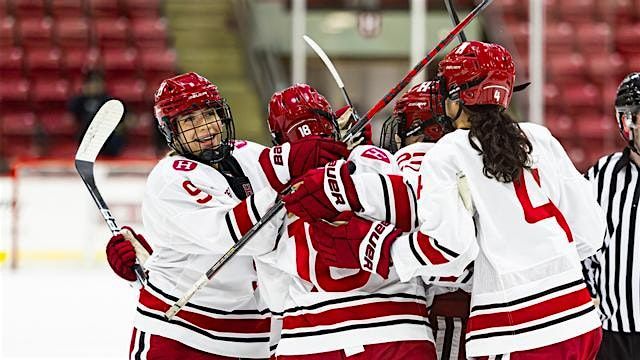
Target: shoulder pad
{"x":369,"y":158}
{"x":410,"y":157}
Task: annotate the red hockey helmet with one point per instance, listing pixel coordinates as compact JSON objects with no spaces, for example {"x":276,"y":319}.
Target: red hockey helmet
{"x":300,"y":111}
{"x":417,"y":112}
{"x":478,"y":73}
{"x":187,"y":93}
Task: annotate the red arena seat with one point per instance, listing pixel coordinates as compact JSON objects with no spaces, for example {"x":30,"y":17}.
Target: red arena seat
{"x":35,"y":32}
{"x":11,"y":63}
{"x":149,"y":33}
{"x":19,"y":123}
{"x":73,"y":32}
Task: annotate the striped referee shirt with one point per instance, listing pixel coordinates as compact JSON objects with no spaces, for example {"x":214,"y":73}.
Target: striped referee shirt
{"x":613,"y":273}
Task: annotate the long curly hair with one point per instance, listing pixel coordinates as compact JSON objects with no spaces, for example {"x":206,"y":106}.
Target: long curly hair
{"x":504,"y":147}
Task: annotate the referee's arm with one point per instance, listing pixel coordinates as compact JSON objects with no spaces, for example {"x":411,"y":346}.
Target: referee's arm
{"x":591,"y":264}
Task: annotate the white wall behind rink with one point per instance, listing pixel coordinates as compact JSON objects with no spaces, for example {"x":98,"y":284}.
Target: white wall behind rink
{"x":56,"y":220}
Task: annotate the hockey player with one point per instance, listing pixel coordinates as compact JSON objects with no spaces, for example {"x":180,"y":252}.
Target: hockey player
{"x":410,"y":133}
{"x":530,"y":218}
{"x":329,"y":312}
{"x":198,"y":202}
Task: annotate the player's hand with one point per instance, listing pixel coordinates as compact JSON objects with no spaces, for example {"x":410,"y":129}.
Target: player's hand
{"x":345,"y":121}
{"x":121,"y":253}
{"x":358,"y":243}
{"x":288,"y":161}
{"x":324,"y":193}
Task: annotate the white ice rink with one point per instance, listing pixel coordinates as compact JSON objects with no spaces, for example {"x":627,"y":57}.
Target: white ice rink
{"x":66,"y":313}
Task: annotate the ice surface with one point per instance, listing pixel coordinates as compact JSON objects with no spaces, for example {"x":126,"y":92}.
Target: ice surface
{"x":70,"y":313}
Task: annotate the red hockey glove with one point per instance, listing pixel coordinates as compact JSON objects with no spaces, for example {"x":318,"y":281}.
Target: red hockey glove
{"x":359,"y":243}
{"x":324,"y":193}
{"x":290,"y":160}
{"x":121,"y":254}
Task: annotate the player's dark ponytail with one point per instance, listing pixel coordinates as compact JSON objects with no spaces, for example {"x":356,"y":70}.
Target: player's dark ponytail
{"x":504,"y":147}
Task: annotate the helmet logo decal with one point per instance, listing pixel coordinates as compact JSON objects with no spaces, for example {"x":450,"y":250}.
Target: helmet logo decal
{"x":424,"y":87}
{"x":462,"y":47}
{"x":496,"y":95}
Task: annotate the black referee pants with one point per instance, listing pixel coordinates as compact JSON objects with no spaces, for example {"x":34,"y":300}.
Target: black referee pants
{"x":619,"y":346}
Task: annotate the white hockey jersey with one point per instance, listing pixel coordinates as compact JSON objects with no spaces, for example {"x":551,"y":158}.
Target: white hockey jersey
{"x":192,"y":216}
{"x":528,"y":290}
{"x":325,"y":308}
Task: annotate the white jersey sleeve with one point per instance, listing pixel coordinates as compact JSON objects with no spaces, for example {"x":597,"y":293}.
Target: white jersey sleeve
{"x":441,"y":214}
{"x":588,"y":225}
{"x":191,"y":208}
{"x":382,"y":190}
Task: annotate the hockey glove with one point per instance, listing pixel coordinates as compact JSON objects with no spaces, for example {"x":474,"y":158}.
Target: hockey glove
{"x":345,"y":121}
{"x":359,"y":243}
{"x":290,"y":160}
{"x":324,"y":193}
{"x":121,"y":254}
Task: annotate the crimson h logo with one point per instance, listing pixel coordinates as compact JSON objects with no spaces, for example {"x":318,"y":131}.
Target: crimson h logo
{"x":184,"y":165}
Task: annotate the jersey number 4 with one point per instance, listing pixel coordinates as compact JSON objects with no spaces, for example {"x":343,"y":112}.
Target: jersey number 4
{"x":534,"y":214}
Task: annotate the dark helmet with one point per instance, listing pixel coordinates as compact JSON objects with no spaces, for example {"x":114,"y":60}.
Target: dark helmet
{"x":417,"y":112}
{"x":300,"y":111}
{"x":627,"y":108}
{"x":185,"y":94}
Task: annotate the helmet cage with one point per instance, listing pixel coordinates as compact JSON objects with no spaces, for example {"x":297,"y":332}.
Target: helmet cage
{"x":627,"y":119}
{"x":173,"y":133}
{"x":396,"y":129}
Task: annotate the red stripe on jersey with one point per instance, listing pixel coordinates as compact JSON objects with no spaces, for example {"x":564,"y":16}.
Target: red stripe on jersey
{"x":242,"y":326}
{"x":296,"y":229}
{"x":241,"y":215}
{"x":269,"y":171}
{"x":530,"y":313}
{"x":435,"y":256}
{"x":402,"y":204}
{"x":357,"y":312}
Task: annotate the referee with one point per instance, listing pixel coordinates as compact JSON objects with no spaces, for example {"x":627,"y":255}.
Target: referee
{"x":613,"y":274}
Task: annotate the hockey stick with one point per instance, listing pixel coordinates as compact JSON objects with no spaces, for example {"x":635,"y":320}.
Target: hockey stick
{"x":362,"y":122}
{"x":332,"y":69}
{"x":102,"y":125}
{"x":453,"y":14}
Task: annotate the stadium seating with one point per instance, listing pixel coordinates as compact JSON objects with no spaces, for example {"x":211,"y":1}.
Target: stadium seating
{"x":590,"y":46}
{"x":46,"y":46}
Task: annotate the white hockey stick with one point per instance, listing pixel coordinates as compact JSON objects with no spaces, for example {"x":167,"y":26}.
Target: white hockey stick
{"x":344,"y":122}
{"x":102,"y":125}
{"x":332,"y":69}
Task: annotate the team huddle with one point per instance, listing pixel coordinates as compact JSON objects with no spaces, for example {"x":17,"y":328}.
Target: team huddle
{"x":460,"y":236}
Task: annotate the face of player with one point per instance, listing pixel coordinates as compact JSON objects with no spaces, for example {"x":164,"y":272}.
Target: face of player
{"x":200,"y":130}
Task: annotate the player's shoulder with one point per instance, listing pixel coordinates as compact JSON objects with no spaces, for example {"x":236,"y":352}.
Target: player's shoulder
{"x":373,"y":158}
{"x":535,"y":132}
{"x":410,"y":157}
{"x":606,"y":161}
{"x":246,"y":151}
{"x":176,"y":167}
{"x":450,"y":145}
{"x":245,"y":146}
